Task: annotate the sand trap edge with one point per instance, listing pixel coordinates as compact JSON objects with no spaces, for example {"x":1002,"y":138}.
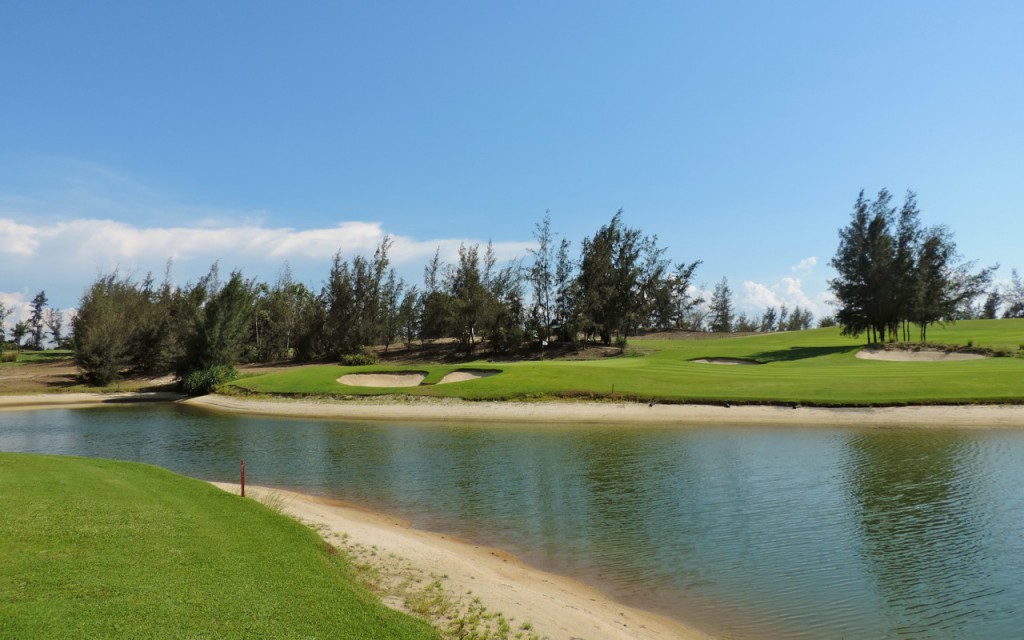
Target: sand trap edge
{"x":465,"y":375}
{"x":925,"y":355}
{"x":403,"y":379}
{"x":728,"y":361}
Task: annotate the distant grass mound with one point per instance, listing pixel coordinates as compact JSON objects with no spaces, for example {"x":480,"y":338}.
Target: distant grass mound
{"x":816,"y":367}
{"x":98,"y":548}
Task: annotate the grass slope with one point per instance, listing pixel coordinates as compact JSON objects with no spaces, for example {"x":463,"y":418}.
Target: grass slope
{"x":98,"y":548}
{"x":812,"y":367}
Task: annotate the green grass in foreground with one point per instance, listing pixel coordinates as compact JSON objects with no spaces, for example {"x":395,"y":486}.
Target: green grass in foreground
{"x":98,"y":548}
{"x":816,"y":367}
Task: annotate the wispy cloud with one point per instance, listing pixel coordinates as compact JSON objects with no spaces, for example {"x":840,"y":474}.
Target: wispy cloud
{"x":108,"y":242}
{"x":806,"y":265}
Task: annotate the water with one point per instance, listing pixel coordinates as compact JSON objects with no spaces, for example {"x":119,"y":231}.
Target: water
{"x":746,"y":532}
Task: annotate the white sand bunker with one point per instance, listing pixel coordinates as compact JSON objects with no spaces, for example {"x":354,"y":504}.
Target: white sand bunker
{"x":734,"y":361}
{"x":925,"y":355}
{"x":410,"y":379}
{"x":468,"y":374}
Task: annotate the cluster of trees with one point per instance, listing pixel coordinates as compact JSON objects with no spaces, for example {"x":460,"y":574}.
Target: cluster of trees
{"x":620,"y":283}
{"x":1010,"y":300}
{"x":44,"y":322}
{"x":892,"y":272}
{"x":720,"y":316}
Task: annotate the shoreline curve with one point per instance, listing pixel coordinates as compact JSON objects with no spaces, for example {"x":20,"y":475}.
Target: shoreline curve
{"x":621,"y":413}
{"x":557,"y":607}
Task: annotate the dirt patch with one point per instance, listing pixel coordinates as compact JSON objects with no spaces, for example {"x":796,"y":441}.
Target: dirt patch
{"x":924,"y":355}
{"x":405,"y":379}
{"x":465,"y":375}
{"x":730,"y":361}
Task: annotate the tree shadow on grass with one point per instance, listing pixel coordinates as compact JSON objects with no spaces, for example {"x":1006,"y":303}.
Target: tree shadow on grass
{"x":801,"y":353}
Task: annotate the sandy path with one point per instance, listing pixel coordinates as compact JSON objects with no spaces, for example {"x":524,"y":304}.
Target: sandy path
{"x":622,"y":413}
{"x":557,"y":607}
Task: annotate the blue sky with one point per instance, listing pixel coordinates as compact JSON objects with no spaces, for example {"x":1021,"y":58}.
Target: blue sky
{"x":258,"y":133}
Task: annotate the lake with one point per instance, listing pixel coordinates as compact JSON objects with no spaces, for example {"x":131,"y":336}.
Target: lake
{"x":745,"y":532}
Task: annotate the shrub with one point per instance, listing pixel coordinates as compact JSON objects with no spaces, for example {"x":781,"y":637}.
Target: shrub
{"x":360,"y":358}
{"x":207,"y":379}
{"x":8,"y":356}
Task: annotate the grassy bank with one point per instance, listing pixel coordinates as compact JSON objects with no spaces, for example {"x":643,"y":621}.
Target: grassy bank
{"x":816,"y":367}
{"x":98,"y":548}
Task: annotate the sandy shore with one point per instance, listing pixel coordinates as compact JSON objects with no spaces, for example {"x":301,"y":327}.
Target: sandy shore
{"x":430,"y":410}
{"x":557,"y":607}
{"x":26,"y":401}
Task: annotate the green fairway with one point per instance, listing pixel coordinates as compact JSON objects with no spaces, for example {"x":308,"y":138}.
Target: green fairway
{"x":98,"y":548}
{"x":816,"y":367}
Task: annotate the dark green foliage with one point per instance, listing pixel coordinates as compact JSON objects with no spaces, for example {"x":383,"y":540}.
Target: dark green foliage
{"x":20,"y":330}
{"x":206,"y":380}
{"x":720,"y":312}
{"x":621,"y":271}
{"x":891,"y":272}
{"x":37,"y":321}
{"x":361,"y":302}
{"x":222,"y":328}
{"x":363,"y":357}
{"x":106,"y":329}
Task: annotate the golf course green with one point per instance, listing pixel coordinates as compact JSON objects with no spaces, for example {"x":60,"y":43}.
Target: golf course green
{"x":814,"y":367}
{"x":101,"y":549}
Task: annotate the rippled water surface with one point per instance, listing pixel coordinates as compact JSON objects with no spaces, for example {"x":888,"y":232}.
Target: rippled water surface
{"x":747,"y":532}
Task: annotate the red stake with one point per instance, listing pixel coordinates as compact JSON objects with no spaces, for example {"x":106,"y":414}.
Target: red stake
{"x":243,"y":478}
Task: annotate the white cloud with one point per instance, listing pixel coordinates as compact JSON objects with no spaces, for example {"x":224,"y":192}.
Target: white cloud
{"x":65,"y":256}
{"x":756,"y":297}
{"x":108,"y":242}
{"x":18,"y":305}
{"x":806,"y":265}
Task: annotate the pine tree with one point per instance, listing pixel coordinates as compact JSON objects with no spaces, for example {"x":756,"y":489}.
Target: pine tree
{"x":720,"y":309}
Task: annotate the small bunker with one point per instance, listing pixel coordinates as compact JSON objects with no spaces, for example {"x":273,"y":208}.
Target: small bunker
{"x":730,"y":361}
{"x":402,"y":379}
{"x":464,"y":375}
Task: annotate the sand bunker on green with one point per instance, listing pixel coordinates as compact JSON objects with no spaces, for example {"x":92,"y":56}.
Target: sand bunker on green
{"x":468,"y":374}
{"x":406,"y":379}
{"x":924,"y":355}
{"x":733,"y":361}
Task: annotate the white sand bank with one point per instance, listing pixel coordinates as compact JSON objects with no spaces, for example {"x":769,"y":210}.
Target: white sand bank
{"x":739,"y":361}
{"x":25,"y":401}
{"x":467,"y":375}
{"x":557,"y":607}
{"x":925,"y":355}
{"x":383,"y":379}
{"x":622,"y":413}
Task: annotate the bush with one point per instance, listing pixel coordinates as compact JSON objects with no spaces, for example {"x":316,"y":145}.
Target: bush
{"x":8,"y":356}
{"x":206,"y":380}
{"x":359,"y":359}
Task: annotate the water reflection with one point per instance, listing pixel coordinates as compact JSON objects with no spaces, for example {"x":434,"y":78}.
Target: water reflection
{"x":752,"y":533}
{"x":926,"y":535}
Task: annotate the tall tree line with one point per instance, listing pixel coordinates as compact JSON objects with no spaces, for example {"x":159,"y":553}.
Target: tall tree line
{"x":621,"y":282}
{"x":892,"y":272}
